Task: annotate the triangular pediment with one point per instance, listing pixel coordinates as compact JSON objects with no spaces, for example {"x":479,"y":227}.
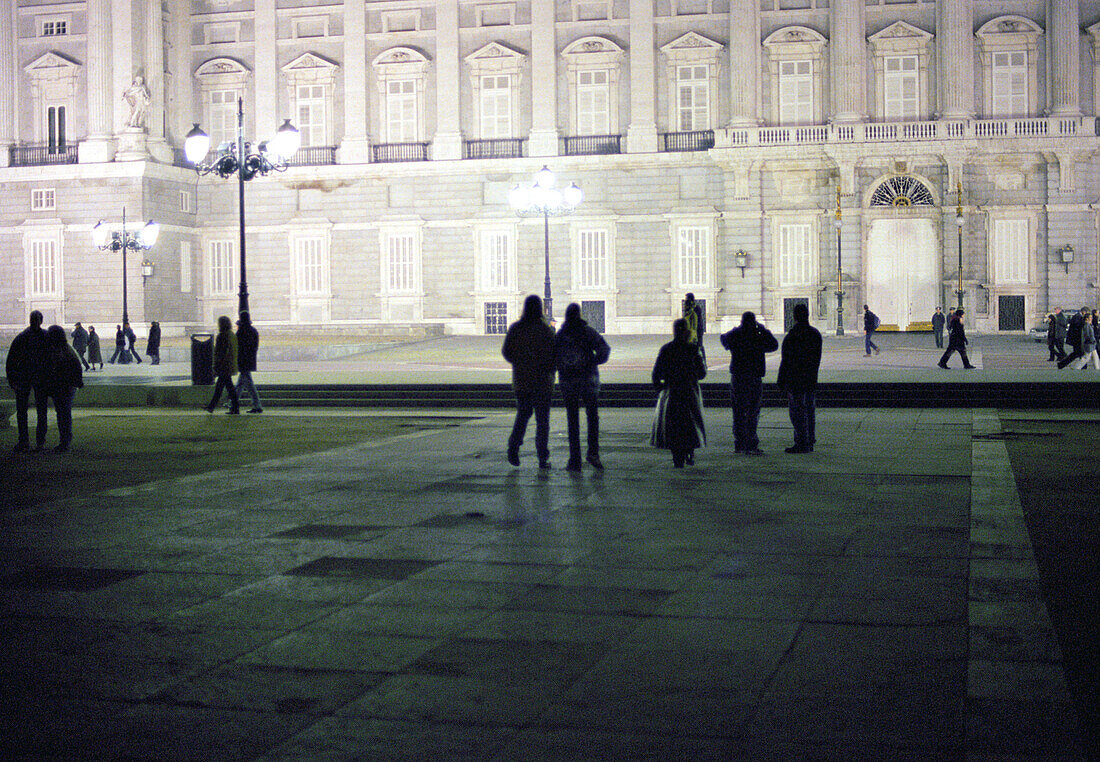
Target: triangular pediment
{"x":51,"y":62}
{"x":310,"y":62}
{"x":692,"y":41}
{"x":901,"y":30}
{"x":494,"y":51}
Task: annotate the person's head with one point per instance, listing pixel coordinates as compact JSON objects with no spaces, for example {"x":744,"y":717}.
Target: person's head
{"x":1057,"y":310}
{"x":36,"y":319}
{"x":1086,"y":311}
{"x":573,"y":313}
{"x":77,"y":323}
{"x":118,"y":327}
{"x":959,"y":314}
{"x":865,"y":308}
{"x":748,"y":319}
{"x":532,"y":308}
{"x":689,"y":297}
{"x":801,"y":313}
{"x":224,"y":323}
{"x":680,"y":330}
{"x":91,"y":329}
{"x":244,"y":318}
{"x":939,"y":309}
{"x":55,"y":335}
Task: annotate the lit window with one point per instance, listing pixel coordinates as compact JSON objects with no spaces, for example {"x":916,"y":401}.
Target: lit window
{"x":592,"y":259}
{"x":222,"y":117}
{"x":311,"y":124}
{"x":45,"y":269}
{"x":693,"y":250}
{"x":795,"y":258}
{"x":43,"y":199}
{"x":496,"y":106}
{"x":1010,"y":251}
{"x":692,"y":102}
{"x":593,"y":103}
{"x":496,"y":247}
{"x":221,"y":268}
{"x":401,"y":116}
{"x":796,"y":92}
{"x":1009,"y":77}
{"x":900,"y":83}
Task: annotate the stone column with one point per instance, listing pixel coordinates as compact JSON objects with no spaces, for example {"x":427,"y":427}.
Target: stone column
{"x":266,"y":105}
{"x":544,"y":80}
{"x":98,"y":145}
{"x":126,"y":54}
{"x":355,"y":147}
{"x":157,"y":114}
{"x":7,"y":74}
{"x":179,"y":91}
{"x":448,"y":124}
{"x":1065,"y":55}
{"x":848,"y":26}
{"x":955,"y":41}
{"x":744,"y":63}
{"x":641,"y":135}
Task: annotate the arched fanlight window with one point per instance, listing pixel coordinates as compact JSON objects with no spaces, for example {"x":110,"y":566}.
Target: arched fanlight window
{"x":902,"y":191}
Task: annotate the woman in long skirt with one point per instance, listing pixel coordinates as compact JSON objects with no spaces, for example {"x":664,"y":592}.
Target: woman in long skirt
{"x":678,"y":421}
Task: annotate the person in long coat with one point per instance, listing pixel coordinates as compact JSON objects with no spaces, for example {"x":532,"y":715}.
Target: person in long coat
{"x":225,"y":366}
{"x":1060,"y":329}
{"x":120,"y":355}
{"x":80,"y":343}
{"x":152,"y":348}
{"x":800,"y":359}
{"x":956,"y":341}
{"x":95,"y":354}
{"x":579,"y":351}
{"x":529,"y":347}
{"x":62,"y":379}
{"x":1052,"y":332}
{"x":25,"y":367}
{"x":678,"y":420}
{"x":248,"y":346}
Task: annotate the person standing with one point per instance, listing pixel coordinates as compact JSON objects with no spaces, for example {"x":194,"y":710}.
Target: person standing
{"x":747,"y":345}
{"x":800,"y":359}
{"x":225,"y":366}
{"x":152,"y":347}
{"x":248,"y":344}
{"x":26,"y":370}
{"x":62,"y":379}
{"x":529,"y":348}
{"x":938,"y":321}
{"x":95,"y":355}
{"x":956,"y":341}
{"x":693,"y":314}
{"x":870,"y":325}
{"x":130,"y":339}
{"x":579,"y":351}
{"x":678,"y":420}
{"x":1061,"y":327}
{"x":120,"y":347}
{"x":1074,"y":335}
{"x":80,"y":343}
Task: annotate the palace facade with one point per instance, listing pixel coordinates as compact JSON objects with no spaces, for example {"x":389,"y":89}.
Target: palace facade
{"x":758,"y":153}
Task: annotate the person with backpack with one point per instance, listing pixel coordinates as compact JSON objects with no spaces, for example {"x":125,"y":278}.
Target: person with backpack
{"x":747,"y":345}
{"x":870,"y":325}
{"x":579,"y":350}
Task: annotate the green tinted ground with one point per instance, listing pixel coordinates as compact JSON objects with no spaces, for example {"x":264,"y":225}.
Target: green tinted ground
{"x":112,"y":450}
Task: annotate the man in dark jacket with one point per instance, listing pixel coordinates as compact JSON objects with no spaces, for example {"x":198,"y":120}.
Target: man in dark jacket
{"x":131,"y":337}
{"x":529,"y":347}
{"x":62,"y":379}
{"x":1073,"y":337}
{"x":248,"y":344}
{"x":1061,"y":324}
{"x":80,"y":344}
{"x":799,"y":361}
{"x":870,"y":325}
{"x":120,"y":347}
{"x":152,"y":348}
{"x":26,"y":370}
{"x":956,"y":341}
{"x":747,"y":345}
{"x":938,"y":321}
{"x":579,"y":351}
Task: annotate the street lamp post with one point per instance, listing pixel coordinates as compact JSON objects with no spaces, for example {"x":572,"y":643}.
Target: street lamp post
{"x":959,"y":292}
{"x":237,"y":159}
{"x":839,"y":270}
{"x":543,"y":199}
{"x":120,"y":240}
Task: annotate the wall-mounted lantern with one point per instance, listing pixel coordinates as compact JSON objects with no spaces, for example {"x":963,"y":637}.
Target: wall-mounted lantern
{"x":741,"y":258}
{"x":1067,"y":255}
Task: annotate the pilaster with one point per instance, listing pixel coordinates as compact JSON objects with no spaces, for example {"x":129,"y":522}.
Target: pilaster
{"x":266,"y":103}
{"x":544,"y":82}
{"x":1065,"y":58}
{"x":641,"y":134}
{"x":447,"y":143}
{"x":848,"y":24}
{"x":99,"y":145}
{"x":955,"y":42}
{"x":744,"y":47}
{"x":7,"y":74}
{"x":355,"y":147}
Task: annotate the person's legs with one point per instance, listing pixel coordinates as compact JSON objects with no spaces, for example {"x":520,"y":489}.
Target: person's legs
{"x":867,"y":342}
{"x":571,"y":397}
{"x":810,"y":401}
{"x":542,"y":432}
{"x":524,"y":408}
{"x":22,"y":405}
{"x":737,"y":405}
{"x":234,"y":399}
{"x":965,"y":359}
{"x":946,"y":356}
{"x":754,"y":394}
{"x":134,"y":352}
{"x":84,"y":362}
{"x":245,"y":383}
{"x":63,"y":405}
{"x":1075,"y":354}
{"x":219,"y":384}
{"x":42,"y":407}
{"x":796,"y":409}
{"x":939,"y":338}
{"x":1060,"y":345}
{"x":592,"y":417}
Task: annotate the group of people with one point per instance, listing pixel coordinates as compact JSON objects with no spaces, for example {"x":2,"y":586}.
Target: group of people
{"x":235,"y":355}
{"x":574,"y":353}
{"x":1080,"y":331}
{"x":41,"y":362}
{"x":86,"y":340}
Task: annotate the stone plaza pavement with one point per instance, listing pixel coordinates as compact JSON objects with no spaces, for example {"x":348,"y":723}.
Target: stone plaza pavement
{"x":418,"y":599}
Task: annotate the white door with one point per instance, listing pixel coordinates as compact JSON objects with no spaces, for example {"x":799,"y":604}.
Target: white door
{"x":902,"y":271}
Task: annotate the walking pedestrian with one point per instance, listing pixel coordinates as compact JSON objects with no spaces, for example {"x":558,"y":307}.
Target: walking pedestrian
{"x":693,"y":314}
{"x":799,"y":361}
{"x":1074,"y":335}
{"x":152,"y":346}
{"x":1089,"y":339}
{"x":956,"y":341}
{"x":678,"y":419}
{"x":579,"y":351}
{"x":62,"y":379}
{"x":1052,"y":331}
{"x":529,"y":347}
{"x":1060,"y":332}
{"x":26,"y":370}
{"x":938,"y":321}
{"x":130,"y":339}
{"x":80,"y":343}
{"x":248,"y":344}
{"x":95,"y":355}
{"x":225,"y":366}
{"x":870,"y":325}
{"x":747,"y":345}
{"x":120,"y":347}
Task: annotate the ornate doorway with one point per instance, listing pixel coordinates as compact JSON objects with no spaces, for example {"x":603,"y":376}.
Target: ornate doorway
{"x":902,"y":270}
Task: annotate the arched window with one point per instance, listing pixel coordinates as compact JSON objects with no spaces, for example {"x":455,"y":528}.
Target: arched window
{"x":902,"y":191}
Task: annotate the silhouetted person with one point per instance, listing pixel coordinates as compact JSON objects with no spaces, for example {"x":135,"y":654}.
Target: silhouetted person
{"x":747,"y":345}
{"x":579,"y":351}
{"x":26,"y":370}
{"x":800,"y":359}
{"x":956,"y":341}
{"x":678,"y":420}
{"x":95,"y":355}
{"x":1089,"y":336}
{"x":938,"y":322}
{"x":1052,"y":332}
{"x":1074,"y":337}
{"x":80,"y":343}
{"x":120,"y":347}
{"x":225,"y":366}
{"x":63,"y":378}
{"x":529,"y":347}
{"x":248,"y":344}
{"x":870,"y":325}
{"x":152,"y":346}
{"x":693,"y":314}
{"x":130,"y":339}
{"x":1060,"y":329}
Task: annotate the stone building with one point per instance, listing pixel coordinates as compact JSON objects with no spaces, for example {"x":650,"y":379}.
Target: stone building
{"x":755,"y":152}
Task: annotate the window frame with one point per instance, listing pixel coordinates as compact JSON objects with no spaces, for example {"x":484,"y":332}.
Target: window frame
{"x":581,"y":231}
{"x":900,"y":40}
{"x":706,"y":230}
{"x":394,"y":65}
{"x":1018,"y":270}
{"x":47,"y":26}
{"x":796,"y":43}
{"x":43,"y":199}
{"x":692,"y":50}
{"x":490,"y":262}
{"x":221,"y":265}
{"x":310,"y":70}
{"x":496,"y":59}
{"x":1009,"y":34}
{"x":591,"y":54}
{"x":223,"y":75}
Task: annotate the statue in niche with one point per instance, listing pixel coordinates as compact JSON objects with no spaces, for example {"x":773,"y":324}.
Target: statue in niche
{"x":137,"y":95}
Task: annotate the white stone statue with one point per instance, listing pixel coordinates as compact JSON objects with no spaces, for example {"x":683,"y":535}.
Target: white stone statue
{"x":137,"y":95}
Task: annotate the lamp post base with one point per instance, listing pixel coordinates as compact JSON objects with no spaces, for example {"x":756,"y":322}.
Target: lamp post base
{"x":839,"y":313}
{"x":959,"y":294}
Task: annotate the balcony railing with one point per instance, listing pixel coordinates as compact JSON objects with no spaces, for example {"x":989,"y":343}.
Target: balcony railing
{"x":37,"y":156}
{"x":698,"y":140}
{"x":494,"y":148}
{"x":313,"y":156}
{"x":390,"y":152}
{"x":593,"y":145}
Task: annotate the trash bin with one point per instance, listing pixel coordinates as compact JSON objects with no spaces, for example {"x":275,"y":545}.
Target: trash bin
{"x":202,"y":359}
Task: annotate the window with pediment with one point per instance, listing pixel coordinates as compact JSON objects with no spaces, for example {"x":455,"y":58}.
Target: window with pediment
{"x":401,"y":74}
{"x":692,"y":75}
{"x":901,"y":54}
{"x":53,"y":80}
{"x":495,"y":76}
{"x":310,"y":81}
{"x":222,"y":81}
{"x":795,"y":57}
{"x":1009,"y":47}
{"x":593,"y":65}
